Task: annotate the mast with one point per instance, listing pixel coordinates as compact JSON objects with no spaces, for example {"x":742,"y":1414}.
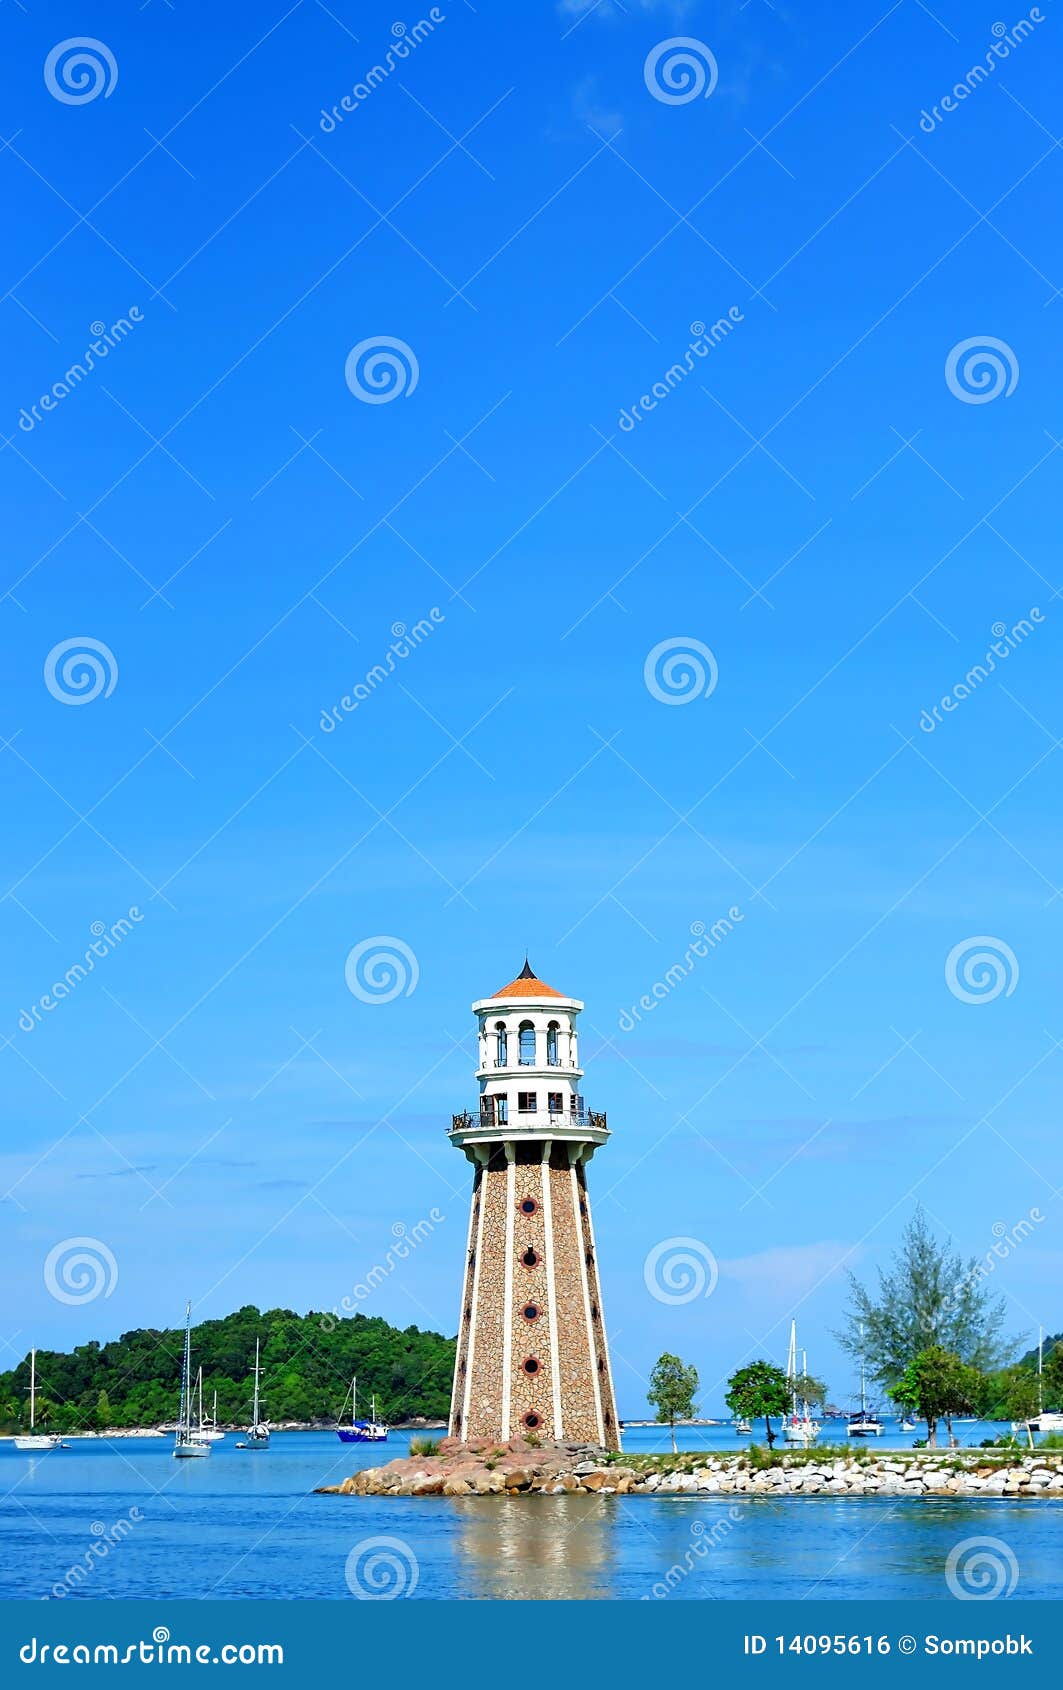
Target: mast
{"x":354,"y":1399}
{"x":184,"y":1413}
{"x":1040,"y":1369}
{"x":33,"y":1388}
{"x":863,"y":1404}
{"x":791,"y":1367}
{"x":254,"y":1410}
{"x":214,"y":1420}
{"x":804,"y":1375}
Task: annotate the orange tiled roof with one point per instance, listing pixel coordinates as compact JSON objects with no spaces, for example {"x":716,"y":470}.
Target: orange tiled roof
{"x":528,"y":985}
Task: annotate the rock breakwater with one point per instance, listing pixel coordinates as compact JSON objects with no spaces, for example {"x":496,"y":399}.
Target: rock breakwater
{"x":559,"y":1469}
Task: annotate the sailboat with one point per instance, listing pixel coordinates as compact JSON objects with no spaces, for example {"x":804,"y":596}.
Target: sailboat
{"x":189,"y":1440}
{"x":864,"y":1425}
{"x":210,"y":1427}
{"x":1047,"y":1419}
{"x":32,"y":1439}
{"x":370,"y":1431}
{"x":800,"y":1428}
{"x":257,"y":1436}
{"x":742,"y":1428}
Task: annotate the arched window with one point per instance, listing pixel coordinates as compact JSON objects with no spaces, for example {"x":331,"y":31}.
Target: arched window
{"x":501,"y":1044}
{"x":551,"y":1045}
{"x":527,"y":1045}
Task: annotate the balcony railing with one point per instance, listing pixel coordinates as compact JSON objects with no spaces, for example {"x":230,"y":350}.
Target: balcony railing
{"x":531,"y":1120}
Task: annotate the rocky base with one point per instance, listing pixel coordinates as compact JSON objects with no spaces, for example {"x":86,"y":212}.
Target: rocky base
{"x":489,"y":1469}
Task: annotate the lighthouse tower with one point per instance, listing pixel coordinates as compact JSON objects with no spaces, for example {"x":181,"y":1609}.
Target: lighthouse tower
{"x":532,"y":1354}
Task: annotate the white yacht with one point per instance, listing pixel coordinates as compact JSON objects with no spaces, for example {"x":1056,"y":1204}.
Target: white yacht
{"x":1047,"y":1418}
{"x":32,"y":1439}
{"x":257,"y":1434}
{"x":863,"y":1424}
{"x":189,"y":1440}
{"x":799,"y":1427}
{"x":210,"y":1427}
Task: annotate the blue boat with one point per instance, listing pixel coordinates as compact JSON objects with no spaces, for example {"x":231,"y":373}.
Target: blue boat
{"x":371,"y":1431}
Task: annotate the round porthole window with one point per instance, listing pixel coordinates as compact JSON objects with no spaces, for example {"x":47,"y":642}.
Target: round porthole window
{"x":531,"y":1364}
{"x":531,"y":1311}
{"x":530,"y":1258}
{"x":528,"y":1206}
{"x":532,"y":1421}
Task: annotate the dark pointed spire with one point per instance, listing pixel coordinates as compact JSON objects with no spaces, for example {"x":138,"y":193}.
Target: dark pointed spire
{"x":527,"y":972}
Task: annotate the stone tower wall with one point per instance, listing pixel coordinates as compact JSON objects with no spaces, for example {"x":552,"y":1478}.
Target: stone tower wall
{"x":570,"y":1391}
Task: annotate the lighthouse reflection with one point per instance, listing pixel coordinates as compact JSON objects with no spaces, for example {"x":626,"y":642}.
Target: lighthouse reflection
{"x":531,"y":1547}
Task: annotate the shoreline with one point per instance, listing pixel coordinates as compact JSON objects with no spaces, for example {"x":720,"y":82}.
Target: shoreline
{"x":518,"y":1467}
{"x":111,"y":1432}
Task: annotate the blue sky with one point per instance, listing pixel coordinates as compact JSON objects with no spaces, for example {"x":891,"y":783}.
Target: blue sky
{"x":813,"y":502}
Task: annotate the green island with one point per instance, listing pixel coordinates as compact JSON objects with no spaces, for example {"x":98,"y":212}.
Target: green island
{"x":308,"y":1362}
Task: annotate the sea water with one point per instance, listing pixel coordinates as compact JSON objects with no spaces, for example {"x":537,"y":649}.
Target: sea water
{"x":120,"y":1519}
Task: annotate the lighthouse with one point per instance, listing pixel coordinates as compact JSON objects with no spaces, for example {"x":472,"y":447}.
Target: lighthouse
{"x":532,"y":1356}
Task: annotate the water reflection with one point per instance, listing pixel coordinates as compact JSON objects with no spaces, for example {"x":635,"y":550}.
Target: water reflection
{"x":544,"y":1548}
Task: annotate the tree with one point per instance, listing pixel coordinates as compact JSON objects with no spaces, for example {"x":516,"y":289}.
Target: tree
{"x":929,"y":1299}
{"x":1022,"y":1398}
{"x":759,"y":1389}
{"x":806,"y":1388}
{"x":103,"y":1411}
{"x":937,"y":1384}
{"x":671,"y":1391}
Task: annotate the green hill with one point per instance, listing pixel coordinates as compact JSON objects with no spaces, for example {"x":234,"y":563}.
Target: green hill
{"x":307,"y":1367}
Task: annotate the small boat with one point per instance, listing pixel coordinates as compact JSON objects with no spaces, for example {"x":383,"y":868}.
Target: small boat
{"x":799,"y":1427}
{"x":742,"y":1428}
{"x":33,"y":1440}
{"x":863,"y":1424}
{"x":371,"y":1431}
{"x":908,"y":1425}
{"x":1046,"y":1420}
{"x":189,"y":1441}
{"x":257,"y":1435}
{"x":210,"y":1427}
